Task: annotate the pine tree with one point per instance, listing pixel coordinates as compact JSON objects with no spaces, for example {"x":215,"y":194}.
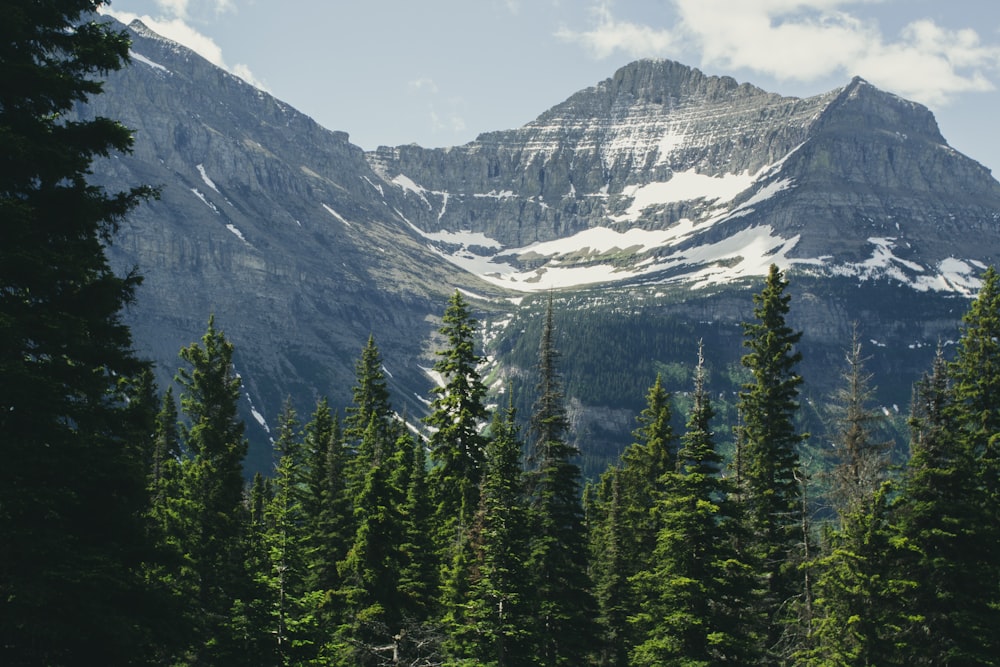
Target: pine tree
{"x":251,"y":624}
{"x":212,"y":487}
{"x":609,"y":571}
{"x":166,"y":525}
{"x":858,"y":586}
{"x":860,"y":462}
{"x":418,"y":578}
{"x":72,"y":486}
{"x":769,"y":473}
{"x":369,"y":407}
{"x":496,"y":621}
{"x":457,"y":447}
{"x":860,"y":590}
{"x":293,"y":620}
{"x":624,"y":525}
{"x":327,"y":505}
{"x":951,"y":609}
{"x":164,"y":469}
{"x":695,"y":596}
{"x":370,"y":572}
{"x":563,"y":605}
{"x":975,"y":414}
{"x":370,"y":395}
{"x":457,"y":453}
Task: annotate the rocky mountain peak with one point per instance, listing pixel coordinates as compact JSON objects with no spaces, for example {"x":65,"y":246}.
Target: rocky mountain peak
{"x":670,"y":83}
{"x":863,"y":106}
{"x":659,"y":179}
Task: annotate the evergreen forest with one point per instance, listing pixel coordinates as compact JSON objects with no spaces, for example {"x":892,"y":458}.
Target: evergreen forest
{"x":468,"y":537}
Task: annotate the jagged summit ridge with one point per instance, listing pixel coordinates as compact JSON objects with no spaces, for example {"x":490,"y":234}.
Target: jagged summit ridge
{"x":664,"y":173}
{"x":302,"y":244}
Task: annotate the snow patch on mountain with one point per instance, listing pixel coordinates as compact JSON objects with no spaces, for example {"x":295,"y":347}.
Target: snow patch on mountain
{"x":336,"y":215}
{"x":146,"y":61}
{"x":465,"y":239}
{"x":204,"y":177}
{"x":235,"y":230}
{"x":748,"y":253}
{"x":949,"y":275}
{"x":199,"y":195}
{"x":683,"y":186}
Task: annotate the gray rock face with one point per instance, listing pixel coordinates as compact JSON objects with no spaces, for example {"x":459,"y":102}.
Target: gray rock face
{"x":273,"y":224}
{"x":659,"y":184}
{"x":662,"y":147}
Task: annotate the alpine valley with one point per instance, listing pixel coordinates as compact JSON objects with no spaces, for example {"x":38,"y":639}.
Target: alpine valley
{"x":648,"y":207}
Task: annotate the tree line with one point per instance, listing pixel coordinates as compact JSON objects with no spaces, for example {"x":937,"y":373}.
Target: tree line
{"x":130,"y":535}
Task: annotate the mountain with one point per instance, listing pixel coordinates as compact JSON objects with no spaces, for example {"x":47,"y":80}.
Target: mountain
{"x":662,"y":172}
{"x":648,"y":205}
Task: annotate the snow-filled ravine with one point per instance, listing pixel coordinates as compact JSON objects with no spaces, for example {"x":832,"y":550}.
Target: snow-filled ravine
{"x":618,"y":251}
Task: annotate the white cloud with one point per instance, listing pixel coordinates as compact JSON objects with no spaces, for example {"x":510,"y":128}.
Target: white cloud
{"x":423,"y":84}
{"x":805,"y":40}
{"x":179,"y":8}
{"x":450,"y":121}
{"x":610,"y":35}
{"x":174,"y":7}
{"x":178,"y":30}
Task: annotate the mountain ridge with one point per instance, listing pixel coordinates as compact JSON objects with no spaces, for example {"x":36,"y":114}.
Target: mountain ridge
{"x":633,"y":193}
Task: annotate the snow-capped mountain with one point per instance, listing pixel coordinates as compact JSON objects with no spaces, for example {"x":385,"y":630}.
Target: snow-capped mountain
{"x":660,"y":189}
{"x":662,"y":173}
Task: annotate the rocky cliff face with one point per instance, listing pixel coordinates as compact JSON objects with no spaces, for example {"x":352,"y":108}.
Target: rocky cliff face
{"x":681,"y":172}
{"x":660,"y":189}
{"x":270,"y":222}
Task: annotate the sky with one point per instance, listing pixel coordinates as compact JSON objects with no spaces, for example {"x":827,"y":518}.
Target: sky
{"x":440,"y":72}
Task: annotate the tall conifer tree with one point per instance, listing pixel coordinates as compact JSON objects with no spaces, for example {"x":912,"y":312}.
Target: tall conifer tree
{"x":695,"y":607}
{"x":609,"y":570}
{"x":975,"y":410}
{"x":212,"y":487}
{"x":861,"y":462}
{"x":624,"y":526}
{"x":771,"y":494}
{"x":369,"y":408}
{"x":859,"y":584}
{"x":457,"y":449}
{"x":293,"y":619}
{"x":328,"y":507}
{"x":457,"y":445}
{"x":497,"y":618}
{"x":72,"y":488}
{"x":373,"y":599}
{"x":952,"y":608}
{"x":564,"y":606}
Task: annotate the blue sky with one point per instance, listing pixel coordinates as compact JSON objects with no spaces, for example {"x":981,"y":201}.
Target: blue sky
{"x":439,"y":72}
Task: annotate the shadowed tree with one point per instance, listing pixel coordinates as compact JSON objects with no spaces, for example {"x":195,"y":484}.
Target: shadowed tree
{"x":769,"y":466}
{"x":696,"y":597}
{"x":564,"y":629}
{"x":73,"y":483}
{"x":212,"y":489}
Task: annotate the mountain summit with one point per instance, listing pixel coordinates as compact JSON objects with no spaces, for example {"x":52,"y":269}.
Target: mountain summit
{"x":663,"y":173}
{"x":657,"y":187}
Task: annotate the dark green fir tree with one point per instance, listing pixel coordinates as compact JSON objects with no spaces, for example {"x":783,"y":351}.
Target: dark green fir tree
{"x":975,"y":411}
{"x":769,"y":472}
{"x":497,"y":620}
{"x":458,"y":413}
{"x":951,"y":610}
{"x":696,"y":599}
{"x":370,"y":588}
{"x":564,"y":609}
{"x":859,"y":582}
{"x":212,"y":489}
{"x":73,"y":483}
{"x":457,"y":452}
{"x":328,"y":507}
